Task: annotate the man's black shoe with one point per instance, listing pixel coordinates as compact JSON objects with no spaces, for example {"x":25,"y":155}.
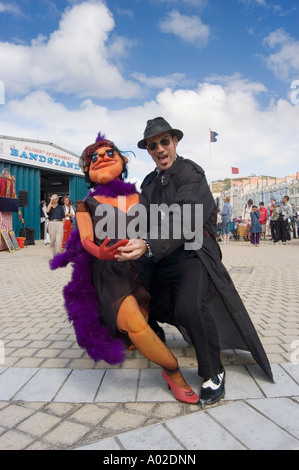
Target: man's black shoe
{"x":212,"y":390}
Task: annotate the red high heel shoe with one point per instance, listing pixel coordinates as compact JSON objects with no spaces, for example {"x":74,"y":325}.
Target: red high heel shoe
{"x":186,"y":396}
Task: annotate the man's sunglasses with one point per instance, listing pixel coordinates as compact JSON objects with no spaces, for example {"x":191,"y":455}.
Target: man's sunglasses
{"x":164,"y":142}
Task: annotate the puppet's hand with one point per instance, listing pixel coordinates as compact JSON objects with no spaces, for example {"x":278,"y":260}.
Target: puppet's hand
{"x":109,"y":252}
{"x":103,"y":251}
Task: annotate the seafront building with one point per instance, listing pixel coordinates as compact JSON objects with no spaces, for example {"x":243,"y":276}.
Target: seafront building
{"x":260,"y":189}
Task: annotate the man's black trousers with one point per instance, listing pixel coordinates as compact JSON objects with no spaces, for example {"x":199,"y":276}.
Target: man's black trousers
{"x":179,"y":286}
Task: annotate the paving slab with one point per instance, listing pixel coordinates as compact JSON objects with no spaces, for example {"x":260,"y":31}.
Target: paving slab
{"x":152,"y":385}
{"x":80,"y":386}
{"x":105,"y":444}
{"x":43,"y":385}
{"x":240,"y":385}
{"x":292,"y":369}
{"x":284,"y":385}
{"x":254,"y":430}
{"x":200,"y":432}
{"x":52,"y":396}
{"x":119,"y":386}
{"x":282,"y":411}
{"x":12,"y":380}
{"x":149,"y":438}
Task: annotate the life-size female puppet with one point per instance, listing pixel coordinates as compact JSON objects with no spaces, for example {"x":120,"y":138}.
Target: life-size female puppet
{"x":105,"y":301}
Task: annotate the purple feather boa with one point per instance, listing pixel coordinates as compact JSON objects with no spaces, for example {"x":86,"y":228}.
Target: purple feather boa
{"x":81,"y":300}
{"x":113,"y":189}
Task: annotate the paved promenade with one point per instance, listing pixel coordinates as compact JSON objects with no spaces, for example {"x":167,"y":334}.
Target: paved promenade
{"x":53,"y":396}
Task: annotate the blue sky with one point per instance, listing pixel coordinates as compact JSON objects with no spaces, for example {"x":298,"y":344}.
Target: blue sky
{"x":70,"y":69}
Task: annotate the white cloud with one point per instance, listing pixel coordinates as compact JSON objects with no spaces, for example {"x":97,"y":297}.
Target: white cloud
{"x":256,"y":140}
{"x":281,"y":10}
{"x":9,"y":8}
{"x":259,"y":3}
{"x":172,"y":80}
{"x":193,"y":3}
{"x":76,"y":58}
{"x":189,"y":28}
{"x":284,"y":62}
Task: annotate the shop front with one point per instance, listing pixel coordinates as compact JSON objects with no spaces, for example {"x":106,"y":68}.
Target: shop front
{"x":39,"y":169}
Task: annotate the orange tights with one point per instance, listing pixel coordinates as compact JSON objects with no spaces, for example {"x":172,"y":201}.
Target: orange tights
{"x":131,"y":320}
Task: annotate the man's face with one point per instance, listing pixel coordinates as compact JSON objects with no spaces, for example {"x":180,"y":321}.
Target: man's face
{"x":164,"y":153}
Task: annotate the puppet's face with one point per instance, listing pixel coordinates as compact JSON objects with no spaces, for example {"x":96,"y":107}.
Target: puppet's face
{"x":106,"y":165}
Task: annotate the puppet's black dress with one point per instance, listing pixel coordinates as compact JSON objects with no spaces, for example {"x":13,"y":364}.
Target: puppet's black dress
{"x":112,"y":279}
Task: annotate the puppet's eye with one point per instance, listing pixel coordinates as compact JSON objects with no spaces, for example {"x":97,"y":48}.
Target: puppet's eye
{"x":109,"y":153}
{"x":94,"y":157}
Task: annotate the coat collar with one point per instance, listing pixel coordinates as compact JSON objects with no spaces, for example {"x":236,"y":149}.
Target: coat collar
{"x":166,"y":175}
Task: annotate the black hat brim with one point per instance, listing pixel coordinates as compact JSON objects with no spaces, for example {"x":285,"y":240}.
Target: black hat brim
{"x":155,"y":127}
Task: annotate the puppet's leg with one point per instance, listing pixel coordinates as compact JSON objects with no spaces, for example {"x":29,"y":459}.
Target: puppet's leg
{"x":131,"y":320}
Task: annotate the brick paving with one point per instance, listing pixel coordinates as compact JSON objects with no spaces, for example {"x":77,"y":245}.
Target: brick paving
{"x":35,"y":336}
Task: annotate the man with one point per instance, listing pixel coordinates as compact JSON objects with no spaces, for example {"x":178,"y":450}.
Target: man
{"x":271,"y":208}
{"x":190,"y":288}
{"x":294,"y":220}
{"x":286,"y":212}
{"x":56,"y":220}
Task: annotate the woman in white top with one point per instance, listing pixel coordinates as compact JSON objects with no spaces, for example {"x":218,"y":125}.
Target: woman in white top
{"x":69,"y":215}
{"x":44,"y":221}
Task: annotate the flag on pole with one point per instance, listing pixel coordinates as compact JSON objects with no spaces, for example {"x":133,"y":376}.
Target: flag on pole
{"x":235,"y":171}
{"x":213,"y":136}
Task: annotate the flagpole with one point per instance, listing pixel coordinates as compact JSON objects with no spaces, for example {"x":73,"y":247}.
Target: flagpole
{"x":213,"y":136}
{"x":234,"y":171}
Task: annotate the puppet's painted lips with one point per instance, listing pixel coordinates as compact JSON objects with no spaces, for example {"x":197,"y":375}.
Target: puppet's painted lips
{"x":104,"y":164}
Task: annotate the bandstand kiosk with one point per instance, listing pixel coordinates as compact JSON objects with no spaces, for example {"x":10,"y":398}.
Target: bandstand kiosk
{"x":37,"y":170}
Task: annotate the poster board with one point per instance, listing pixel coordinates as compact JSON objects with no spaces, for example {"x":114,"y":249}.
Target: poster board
{"x":14,"y":240}
{"x":7,"y":240}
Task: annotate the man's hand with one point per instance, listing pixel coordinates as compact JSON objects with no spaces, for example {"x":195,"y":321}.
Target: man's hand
{"x":132,"y":251}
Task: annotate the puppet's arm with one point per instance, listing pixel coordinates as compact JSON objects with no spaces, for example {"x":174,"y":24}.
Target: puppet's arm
{"x":85,"y":226}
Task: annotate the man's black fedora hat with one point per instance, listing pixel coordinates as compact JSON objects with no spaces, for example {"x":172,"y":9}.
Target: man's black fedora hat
{"x":157,"y":126}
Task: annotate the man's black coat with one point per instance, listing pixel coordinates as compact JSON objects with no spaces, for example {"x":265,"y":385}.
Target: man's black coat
{"x":185,"y":183}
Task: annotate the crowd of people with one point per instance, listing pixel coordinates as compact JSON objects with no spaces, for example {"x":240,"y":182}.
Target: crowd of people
{"x":57,"y":220}
{"x":279,"y":220}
